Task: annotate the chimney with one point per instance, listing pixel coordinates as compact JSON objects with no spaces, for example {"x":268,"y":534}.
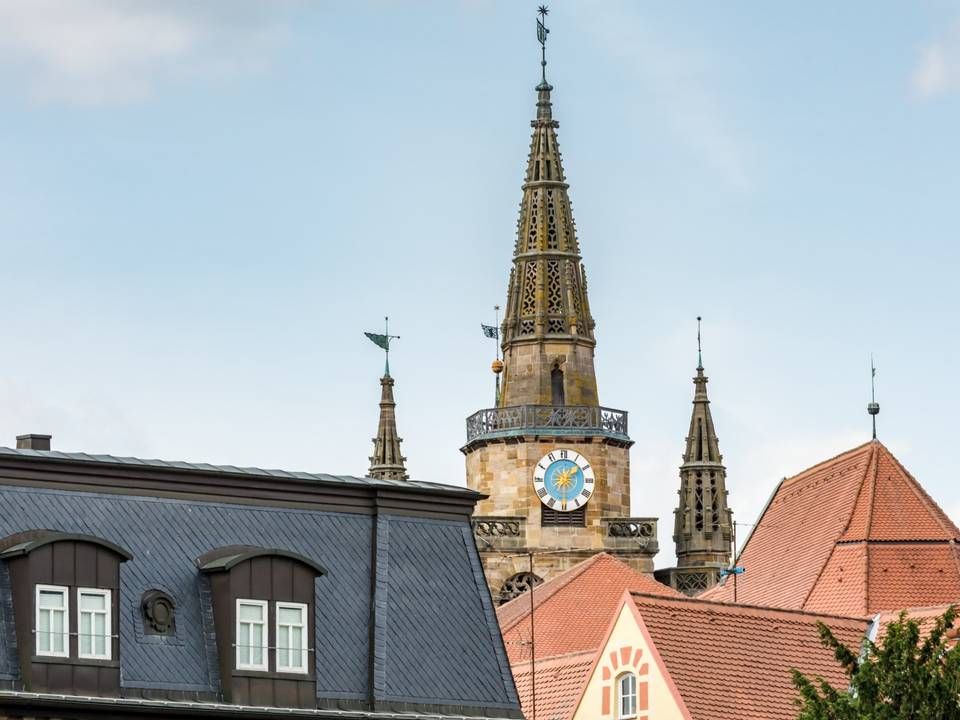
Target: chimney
{"x":33,"y":441}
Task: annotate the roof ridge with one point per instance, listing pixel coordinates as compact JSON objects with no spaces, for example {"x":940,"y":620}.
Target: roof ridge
{"x":875,"y":461}
{"x":859,"y":448}
{"x":550,"y":588}
{"x":929,"y":503}
{"x":719,"y":605}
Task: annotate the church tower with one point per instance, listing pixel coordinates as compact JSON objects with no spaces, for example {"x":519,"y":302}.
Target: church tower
{"x":703,"y":523}
{"x":553,"y":462}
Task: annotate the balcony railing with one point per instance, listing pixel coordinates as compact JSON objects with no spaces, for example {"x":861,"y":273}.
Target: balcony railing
{"x":559,"y":420}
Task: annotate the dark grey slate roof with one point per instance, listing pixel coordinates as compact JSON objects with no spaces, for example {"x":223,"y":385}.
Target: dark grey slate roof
{"x":437,"y":643}
{"x":178,"y":465}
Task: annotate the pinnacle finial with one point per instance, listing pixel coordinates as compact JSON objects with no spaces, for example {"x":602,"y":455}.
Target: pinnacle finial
{"x":874,"y":407}
{"x":542,"y":31}
{"x":699,"y":348}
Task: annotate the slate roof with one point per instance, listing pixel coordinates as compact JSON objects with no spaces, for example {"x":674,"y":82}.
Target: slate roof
{"x":436,"y":642}
{"x":589,"y":591}
{"x":853,"y":535}
{"x":734,"y":661}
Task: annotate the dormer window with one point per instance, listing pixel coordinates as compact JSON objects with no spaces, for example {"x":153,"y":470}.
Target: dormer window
{"x":53,"y":621}
{"x":93,"y":627}
{"x":291,"y":637}
{"x":252,"y":634}
{"x":264,"y":602}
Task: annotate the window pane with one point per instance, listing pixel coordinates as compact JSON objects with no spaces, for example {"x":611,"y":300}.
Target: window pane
{"x":283,"y":642}
{"x":290,"y":616}
{"x":43,"y":631}
{"x":296,"y":642}
{"x":86,"y":634}
{"x":256,"y":641}
{"x":57,"y":631}
{"x":100,"y":633}
{"x":243,"y":644}
{"x":51,"y":599}
{"x":252,"y":613}
{"x":89,"y":601}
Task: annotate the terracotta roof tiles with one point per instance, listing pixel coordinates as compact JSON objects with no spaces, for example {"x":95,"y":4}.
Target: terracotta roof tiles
{"x":589,"y":591}
{"x":559,"y":682}
{"x":734,"y":661}
{"x":855,"y":534}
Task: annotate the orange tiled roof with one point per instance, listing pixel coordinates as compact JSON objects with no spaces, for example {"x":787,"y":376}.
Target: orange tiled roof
{"x":853,"y":535}
{"x":590,"y":592}
{"x":559,"y":683}
{"x":734,"y":661}
{"x":925,"y":617}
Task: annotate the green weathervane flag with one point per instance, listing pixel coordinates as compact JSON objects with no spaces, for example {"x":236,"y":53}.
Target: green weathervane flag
{"x":383,"y":341}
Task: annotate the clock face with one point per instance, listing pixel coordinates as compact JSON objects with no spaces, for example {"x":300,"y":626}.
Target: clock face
{"x":563,"y":480}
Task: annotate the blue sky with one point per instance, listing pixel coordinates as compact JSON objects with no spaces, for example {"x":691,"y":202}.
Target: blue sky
{"x":202,"y":206}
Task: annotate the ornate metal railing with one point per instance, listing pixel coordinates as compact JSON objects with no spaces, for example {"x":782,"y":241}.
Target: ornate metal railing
{"x":632,"y":528}
{"x":538,"y":417}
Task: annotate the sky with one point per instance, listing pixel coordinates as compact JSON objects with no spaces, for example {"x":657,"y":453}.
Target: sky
{"x":204,"y":205}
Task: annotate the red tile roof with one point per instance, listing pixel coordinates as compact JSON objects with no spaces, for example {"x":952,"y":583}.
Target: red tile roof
{"x":559,"y":684}
{"x":734,"y":661}
{"x":853,"y":535}
{"x":925,"y":617}
{"x":590,"y":592}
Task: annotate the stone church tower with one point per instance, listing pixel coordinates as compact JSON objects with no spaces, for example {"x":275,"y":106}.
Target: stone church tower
{"x":554,"y":463}
{"x":703,"y":523}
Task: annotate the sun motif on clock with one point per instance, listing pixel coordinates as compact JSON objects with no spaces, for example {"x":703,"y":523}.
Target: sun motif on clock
{"x":563,"y":480}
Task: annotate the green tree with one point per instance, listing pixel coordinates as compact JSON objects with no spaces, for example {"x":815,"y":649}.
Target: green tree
{"x":911,"y":675}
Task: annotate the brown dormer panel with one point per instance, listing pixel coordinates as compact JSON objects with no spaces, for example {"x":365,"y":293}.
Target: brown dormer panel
{"x":66,"y":564}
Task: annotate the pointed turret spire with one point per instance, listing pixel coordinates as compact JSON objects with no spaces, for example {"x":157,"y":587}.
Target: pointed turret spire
{"x":547,"y":322}
{"x":386,"y":461}
{"x":703,"y":523}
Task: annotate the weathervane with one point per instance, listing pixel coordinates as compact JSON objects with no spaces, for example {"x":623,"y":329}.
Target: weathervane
{"x":874,"y":407}
{"x":542,"y":31}
{"x":383,"y":341}
{"x":493,"y":332}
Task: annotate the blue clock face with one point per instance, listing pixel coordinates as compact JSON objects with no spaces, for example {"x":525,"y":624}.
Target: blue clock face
{"x":563,"y":480}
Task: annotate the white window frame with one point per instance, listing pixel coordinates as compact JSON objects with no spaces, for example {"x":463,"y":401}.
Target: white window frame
{"x":65,"y":592}
{"x":264,"y":647}
{"x":107,"y":596}
{"x":304,"y":636}
{"x":621,"y":715}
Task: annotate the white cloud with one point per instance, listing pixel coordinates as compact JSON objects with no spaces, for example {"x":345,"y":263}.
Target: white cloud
{"x":679,"y":79}
{"x":107,"y":51}
{"x":938,"y":70}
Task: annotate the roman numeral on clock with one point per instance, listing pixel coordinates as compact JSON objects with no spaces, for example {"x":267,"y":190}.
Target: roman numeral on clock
{"x":551,"y":502}
{"x":541,"y":492}
{"x":551,"y":457}
{"x":563,"y":454}
{"x":586,"y":493}
{"x":588,"y":481}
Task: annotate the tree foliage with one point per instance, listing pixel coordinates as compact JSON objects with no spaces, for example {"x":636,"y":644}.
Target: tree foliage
{"x":911,"y":675}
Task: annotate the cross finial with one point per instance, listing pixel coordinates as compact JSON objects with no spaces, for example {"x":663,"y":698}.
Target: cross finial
{"x":874,"y":407}
{"x":542,"y":31}
{"x":699,"y":348}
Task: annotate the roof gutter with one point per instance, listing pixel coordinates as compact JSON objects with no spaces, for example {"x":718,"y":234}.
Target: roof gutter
{"x":78,"y":706}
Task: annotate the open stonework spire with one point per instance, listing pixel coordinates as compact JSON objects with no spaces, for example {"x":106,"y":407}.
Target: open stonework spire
{"x":547,"y":328}
{"x":703,"y":523}
{"x":386,"y":461}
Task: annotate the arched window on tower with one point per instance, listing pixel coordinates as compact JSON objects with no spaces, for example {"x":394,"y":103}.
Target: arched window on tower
{"x":556,"y":386}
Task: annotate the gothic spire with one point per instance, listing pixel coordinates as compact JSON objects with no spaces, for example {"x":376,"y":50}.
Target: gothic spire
{"x":386,"y":461}
{"x":703,"y":523}
{"x":547,"y":296}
